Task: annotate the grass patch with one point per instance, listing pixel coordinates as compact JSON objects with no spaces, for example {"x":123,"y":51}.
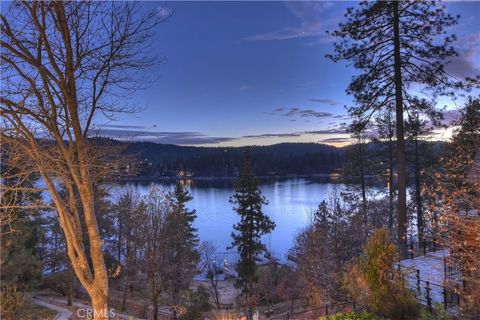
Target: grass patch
{"x":34,"y":312}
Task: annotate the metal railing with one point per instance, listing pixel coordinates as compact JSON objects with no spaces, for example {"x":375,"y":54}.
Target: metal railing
{"x":417,"y":249}
{"x":424,"y":291}
{"x":451,"y":269}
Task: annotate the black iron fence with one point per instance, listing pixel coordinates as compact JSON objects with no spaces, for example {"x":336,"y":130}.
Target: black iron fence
{"x":451,"y":269}
{"x":428,"y":293}
{"x":417,"y":249}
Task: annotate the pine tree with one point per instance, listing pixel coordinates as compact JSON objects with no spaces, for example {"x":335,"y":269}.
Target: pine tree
{"x":422,"y":156}
{"x":396,"y":44}
{"x":254,"y":223}
{"x":182,"y":247}
{"x":20,"y":231}
{"x":181,"y":197}
{"x":386,"y":131}
{"x":359,"y":159}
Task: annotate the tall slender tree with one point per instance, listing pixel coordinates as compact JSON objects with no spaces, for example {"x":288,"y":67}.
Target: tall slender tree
{"x":129,"y":237}
{"x":417,"y":129}
{"x":358,"y":158}
{"x":254,"y":223}
{"x":396,"y":44}
{"x":155,"y":244}
{"x":182,"y":248}
{"x":386,"y":132}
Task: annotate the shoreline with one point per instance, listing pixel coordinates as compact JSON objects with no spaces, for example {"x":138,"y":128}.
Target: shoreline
{"x":325,"y":177}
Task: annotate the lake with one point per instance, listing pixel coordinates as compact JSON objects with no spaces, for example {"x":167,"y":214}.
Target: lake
{"x":291,"y":203}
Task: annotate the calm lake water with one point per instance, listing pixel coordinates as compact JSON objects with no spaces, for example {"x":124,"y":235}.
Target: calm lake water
{"x":291,"y":203}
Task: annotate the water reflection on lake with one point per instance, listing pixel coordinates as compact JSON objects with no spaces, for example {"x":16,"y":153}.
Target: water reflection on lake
{"x":291,"y":202}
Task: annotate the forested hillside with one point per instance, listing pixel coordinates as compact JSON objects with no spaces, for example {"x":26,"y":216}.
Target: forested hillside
{"x":156,"y":160}
{"x":280,"y":159}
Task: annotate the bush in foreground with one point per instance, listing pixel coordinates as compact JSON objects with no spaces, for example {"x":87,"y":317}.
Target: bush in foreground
{"x":439,"y":313}
{"x":372,"y":280}
{"x":353,"y":316}
{"x":13,"y":300}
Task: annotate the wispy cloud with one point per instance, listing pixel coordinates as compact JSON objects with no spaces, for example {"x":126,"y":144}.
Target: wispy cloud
{"x":297,"y":112}
{"x":180,"y":138}
{"x":330,"y":102}
{"x":122,"y":126}
{"x":297,"y":134}
{"x":198,"y":138}
{"x":326,"y":131}
{"x":336,"y":140}
{"x":449,"y":116}
{"x":274,"y":135}
{"x":164,"y":12}
{"x":311,"y":23}
{"x":244,"y":87}
{"x":466,"y":64}
{"x":303,"y":31}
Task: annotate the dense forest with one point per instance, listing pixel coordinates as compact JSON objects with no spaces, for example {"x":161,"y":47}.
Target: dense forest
{"x":161,"y":160}
{"x":280,"y":159}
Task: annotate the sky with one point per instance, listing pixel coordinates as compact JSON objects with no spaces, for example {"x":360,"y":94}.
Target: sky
{"x":255,"y":73}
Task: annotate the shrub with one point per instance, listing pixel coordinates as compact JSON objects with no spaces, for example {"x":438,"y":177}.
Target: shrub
{"x":401,"y":304}
{"x":198,"y":305}
{"x":439,"y":313}
{"x":13,"y":301}
{"x":58,"y":282}
{"x":371,"y":282}
{"x":353,"y":316}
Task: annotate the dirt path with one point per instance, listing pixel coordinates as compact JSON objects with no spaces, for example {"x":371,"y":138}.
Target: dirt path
{"x":62,"y":313}
{"x":48,"y":300}
{"x":87,"y":307}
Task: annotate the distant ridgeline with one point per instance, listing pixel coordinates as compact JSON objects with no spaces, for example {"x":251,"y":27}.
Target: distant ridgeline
{"x":280,"y":159}
{"x":153,"y":160}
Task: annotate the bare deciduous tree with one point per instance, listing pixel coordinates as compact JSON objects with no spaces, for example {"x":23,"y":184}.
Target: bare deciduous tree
{"x":63,"y":63}
{"x":207,"y":253}
{"x":157,"y":234}
{"x":129,"y":237}
{"x":455,"y":204}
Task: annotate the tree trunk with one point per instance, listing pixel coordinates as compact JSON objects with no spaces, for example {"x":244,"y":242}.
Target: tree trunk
{"x":100,"y":306}
{"x":362,"y":183}
{"x":362,"y":178}
{"x":418,"y":196}
{"x":390,"y":176}
{"x":128,"y":261}
{"x":155,"y":309}
{"x":55,"y":250}
{"x":401,"y":172}
{"x":125,"y":291}
{"x":154,"y":297}
{"x":215,"y":289}
{"x":69,"y":284}
{"x":120,"y":232}
{"x":292,"y":301}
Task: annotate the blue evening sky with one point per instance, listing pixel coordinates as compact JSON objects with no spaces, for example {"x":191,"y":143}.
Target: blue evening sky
{"x":241,"y":73}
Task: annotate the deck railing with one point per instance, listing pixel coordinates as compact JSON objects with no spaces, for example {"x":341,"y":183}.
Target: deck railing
{"x":417,"y":249}
{"x":427,"y":293}
{"x":452,"y":269}
{"x":423,"y":290}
